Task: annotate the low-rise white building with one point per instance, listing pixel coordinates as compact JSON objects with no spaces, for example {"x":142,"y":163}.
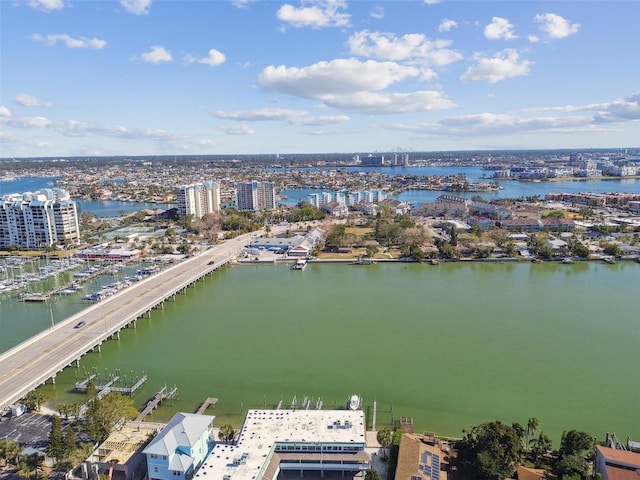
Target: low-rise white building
{"x":274,"y":441}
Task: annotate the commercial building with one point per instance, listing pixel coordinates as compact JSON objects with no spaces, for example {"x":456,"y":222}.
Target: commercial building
{"x":324,"y":442}
{"x":255,"y":196}
{"x":198,"y":199}
{"x":38,"y":220}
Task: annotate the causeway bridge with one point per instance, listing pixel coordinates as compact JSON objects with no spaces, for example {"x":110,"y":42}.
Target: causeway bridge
{"x":40,"y":358}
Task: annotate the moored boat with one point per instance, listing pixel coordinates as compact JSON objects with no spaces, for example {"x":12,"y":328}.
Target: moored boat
{"x":354,"y":402}
{"x":300,"y":264}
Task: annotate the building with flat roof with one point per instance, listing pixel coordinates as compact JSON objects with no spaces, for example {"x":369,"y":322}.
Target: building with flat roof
{"x":325,"y":442}
{"x":38,"y":220}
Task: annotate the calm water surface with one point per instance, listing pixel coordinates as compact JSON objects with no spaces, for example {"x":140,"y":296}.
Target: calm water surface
{"x":450,"y":345}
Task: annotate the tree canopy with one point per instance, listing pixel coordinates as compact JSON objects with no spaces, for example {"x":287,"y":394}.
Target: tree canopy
{"x":490,"y":451}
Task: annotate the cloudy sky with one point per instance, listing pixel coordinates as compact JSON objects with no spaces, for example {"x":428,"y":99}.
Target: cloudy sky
{"x":150,"y":77}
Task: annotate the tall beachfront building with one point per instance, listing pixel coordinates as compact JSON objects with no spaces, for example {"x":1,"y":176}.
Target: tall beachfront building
{"x":38,"y":220}
{"x":255,"y":196}
{"x":198,"y":199}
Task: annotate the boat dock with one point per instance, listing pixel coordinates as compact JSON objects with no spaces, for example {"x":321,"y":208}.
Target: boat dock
{"x":112,"y":384}
{"x":206,"y":404}
{"x":157,"y":399}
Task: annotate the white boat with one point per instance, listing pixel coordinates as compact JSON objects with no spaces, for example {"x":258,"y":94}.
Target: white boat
{"x":354,"y":402}
{"x":300,"y":264}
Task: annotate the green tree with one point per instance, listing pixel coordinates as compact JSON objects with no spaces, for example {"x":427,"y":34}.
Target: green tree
{"x":384,"y":438}
{"x":371,"y":251}
{"x":55,"y":448}
{"x":372,"y":474}
{"x":532,"y":426}
{"x":69,"y":442}
{"x":574,"y":449}
{"x":227,"y":433}
{"x":490,"y":451}
{"x":611,"y":249}
{"x":102,"y":414}
{"x":9,"y":451}
{"x":34,"y":400}
{"x":540,"y":448}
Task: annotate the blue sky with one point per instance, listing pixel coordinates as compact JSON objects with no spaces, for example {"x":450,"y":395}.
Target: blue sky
{"x":153,"y":77}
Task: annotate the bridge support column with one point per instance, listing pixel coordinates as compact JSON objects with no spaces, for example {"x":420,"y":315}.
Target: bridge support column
{"x":77,"y":363}
{"x":99,"y":347}
{"x":53,"y":379}
{"x":134,"y":324}
{"x":118,"y":334}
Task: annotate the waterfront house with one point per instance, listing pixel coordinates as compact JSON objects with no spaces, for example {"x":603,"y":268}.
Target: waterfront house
{"x":420,"y":458}
{"x":613,"y":464}
{"x":179,"y":449}
{"x":522,"y":225}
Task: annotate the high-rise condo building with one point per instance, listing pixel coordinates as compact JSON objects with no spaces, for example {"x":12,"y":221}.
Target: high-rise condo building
{"x":198,"y":199}
{"x":255,"y":196}
{"x":38,"y":220}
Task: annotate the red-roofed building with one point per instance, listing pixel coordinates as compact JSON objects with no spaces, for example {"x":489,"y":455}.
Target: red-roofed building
{"x":615,"y":464}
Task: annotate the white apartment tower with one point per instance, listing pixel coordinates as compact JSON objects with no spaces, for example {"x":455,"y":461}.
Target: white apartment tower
{"x":255,"y":196}
{"x":198,"y":199}
{"x":38,"y":220}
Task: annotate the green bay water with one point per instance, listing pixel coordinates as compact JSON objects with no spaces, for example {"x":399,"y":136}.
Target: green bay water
{"x":451,"y":345}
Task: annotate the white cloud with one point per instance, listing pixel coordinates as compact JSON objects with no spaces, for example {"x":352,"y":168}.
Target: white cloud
{"x":623,"y":109}
{"x":29,"y":122}
{"x":391,"y":103}
{"x":499,"y":29}
{"x":46,"y":5}
{"x":555,"y":27}
{"x":292,"y":117}
{"x":4,"y":111}
{"x":242,"y":4}
{"x":69,"y":41}
{"x":26,"y":100}
{"x":412,"y":47}
{"x":337,"y":77}
{"x":533,"y":38}
{"x":238,"y":130}
{"x":505,"y":64}
{"x":214,"y":59}
{"x":431,"y":2}
{"x":137,"y":7}
{"x":158,"y":54}
{"x":446,"y":25}
{"x":315,"y":14}
{"x":377,"y":12}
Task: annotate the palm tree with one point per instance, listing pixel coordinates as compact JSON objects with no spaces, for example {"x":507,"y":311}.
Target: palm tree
{"x":541,"y":446}
{"x":532,"y":426}
{"x":384,"y":438}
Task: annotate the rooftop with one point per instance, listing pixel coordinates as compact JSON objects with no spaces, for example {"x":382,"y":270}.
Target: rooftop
{"x":263,"y":429}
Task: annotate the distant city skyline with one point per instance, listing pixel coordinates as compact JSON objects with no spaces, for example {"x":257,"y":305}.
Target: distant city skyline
{"x":151,"y":77}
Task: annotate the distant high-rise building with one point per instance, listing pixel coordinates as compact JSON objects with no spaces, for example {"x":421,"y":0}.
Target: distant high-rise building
{"x":255,"y":196}
{"x":38,"y":220}
{"x":198,"y":199}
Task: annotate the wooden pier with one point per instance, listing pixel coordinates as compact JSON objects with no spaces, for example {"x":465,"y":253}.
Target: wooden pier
{"x":206,"y":404}
{"x":157,"y":399}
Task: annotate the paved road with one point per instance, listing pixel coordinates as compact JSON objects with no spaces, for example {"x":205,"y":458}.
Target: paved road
{"x":34,"y":361}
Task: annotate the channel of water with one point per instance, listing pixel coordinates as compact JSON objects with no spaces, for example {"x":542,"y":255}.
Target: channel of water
{"x":449,"y":345}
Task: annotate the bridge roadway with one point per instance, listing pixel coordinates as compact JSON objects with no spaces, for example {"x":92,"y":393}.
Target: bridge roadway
{"x":41,"y":357}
